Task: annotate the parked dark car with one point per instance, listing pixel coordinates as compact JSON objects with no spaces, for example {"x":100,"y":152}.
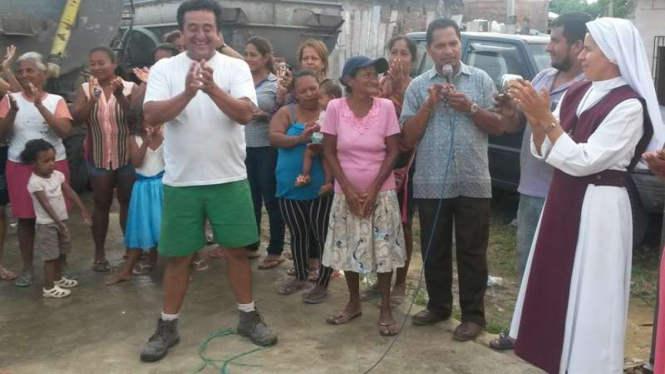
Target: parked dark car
{"x":499,"y":54}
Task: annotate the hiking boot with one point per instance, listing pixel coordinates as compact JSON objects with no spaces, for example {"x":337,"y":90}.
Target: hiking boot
{"x":159,"y":343}
{"x":253,"y":326}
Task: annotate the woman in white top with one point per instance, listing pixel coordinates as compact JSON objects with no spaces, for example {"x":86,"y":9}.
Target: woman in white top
{"x":145,"y":207}
{"x":24,"y":116}
{"x":572,"y":307}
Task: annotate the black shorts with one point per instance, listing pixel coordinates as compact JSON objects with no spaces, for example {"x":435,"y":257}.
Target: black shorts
{"x":4,"y":195}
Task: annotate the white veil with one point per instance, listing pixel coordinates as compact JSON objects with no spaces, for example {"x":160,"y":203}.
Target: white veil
{"x":622,"y":44}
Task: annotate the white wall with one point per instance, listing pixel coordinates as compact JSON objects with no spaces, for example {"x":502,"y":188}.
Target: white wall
{"x":649,"y":18}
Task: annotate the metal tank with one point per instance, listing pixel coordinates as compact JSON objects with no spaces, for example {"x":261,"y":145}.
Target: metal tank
{"x":285,"y":23}
{"x":64,"y":31}
{"x":32,"y":25}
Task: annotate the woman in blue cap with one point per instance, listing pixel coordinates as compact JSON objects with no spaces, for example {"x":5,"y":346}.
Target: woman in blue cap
{"x":361,"y":142}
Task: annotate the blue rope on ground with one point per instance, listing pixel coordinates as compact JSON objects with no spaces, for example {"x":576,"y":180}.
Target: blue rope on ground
{"x":221,"y":364}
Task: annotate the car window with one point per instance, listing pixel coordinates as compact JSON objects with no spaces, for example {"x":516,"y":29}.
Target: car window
{"x":540,"y":55}
{"x":496,"y":59}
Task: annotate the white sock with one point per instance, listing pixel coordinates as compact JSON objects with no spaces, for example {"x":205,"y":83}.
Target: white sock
{"x":170,"y":317}
{"x":246,"y":307}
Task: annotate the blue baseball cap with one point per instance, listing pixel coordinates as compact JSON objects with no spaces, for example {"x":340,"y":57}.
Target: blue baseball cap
{"x":357,"y":62}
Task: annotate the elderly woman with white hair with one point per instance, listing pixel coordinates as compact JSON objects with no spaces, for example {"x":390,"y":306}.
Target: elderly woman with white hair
{"x":24,"y":116}
{"x":572,"y":307}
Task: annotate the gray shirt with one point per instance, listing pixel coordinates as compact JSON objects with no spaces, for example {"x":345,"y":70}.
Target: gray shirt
{"x":256,"y":132}
{"x":536,"y":175}
{"x":468,"y":172}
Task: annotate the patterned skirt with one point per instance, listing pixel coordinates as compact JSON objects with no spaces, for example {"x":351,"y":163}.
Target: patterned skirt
{"x":365,"y":245}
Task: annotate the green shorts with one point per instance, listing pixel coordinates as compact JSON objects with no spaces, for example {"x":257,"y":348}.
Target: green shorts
{"x":227,"y":206}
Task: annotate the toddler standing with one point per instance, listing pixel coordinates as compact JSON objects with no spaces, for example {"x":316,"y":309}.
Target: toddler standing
{"x":48,"y":189}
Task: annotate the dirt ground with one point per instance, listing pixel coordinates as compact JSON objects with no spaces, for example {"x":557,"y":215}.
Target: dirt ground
{"x":101,"y":329}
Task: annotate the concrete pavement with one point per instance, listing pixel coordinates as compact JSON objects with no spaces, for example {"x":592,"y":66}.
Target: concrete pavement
{"x":101,"y":329}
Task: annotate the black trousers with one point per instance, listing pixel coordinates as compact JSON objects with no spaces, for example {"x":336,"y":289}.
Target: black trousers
{"x":470,"y":219}
{"x":307,"y":221}
{"x":261,"y":164}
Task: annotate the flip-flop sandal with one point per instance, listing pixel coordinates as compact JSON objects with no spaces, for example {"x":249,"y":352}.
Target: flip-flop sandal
{"x":199,"y":265}
{"x":25,"y":279}
{"x":142,"y":269}
{"x":101,"y":266}
{"x":384,"y":329}
{"x":55,"y":293}
{"x":503,"y":343}
{"x":7,"y":275}
{"x":66,"y":283}
{"x":313,"y":297}
{"x":291,"y":287}
{"x":270,"y":264}
{"x":342,"y":318}
{"x":396,"y":301}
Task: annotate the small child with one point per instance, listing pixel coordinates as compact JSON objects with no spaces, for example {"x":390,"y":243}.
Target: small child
{"x":46,"y":187}
{"x":145,"y":206}
{"x":328,"y":91}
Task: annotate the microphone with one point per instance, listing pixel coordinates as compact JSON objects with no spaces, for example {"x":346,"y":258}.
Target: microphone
{"x":447,"y":71}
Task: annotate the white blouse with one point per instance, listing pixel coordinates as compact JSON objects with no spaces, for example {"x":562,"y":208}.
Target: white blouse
{"x":153,"y":162}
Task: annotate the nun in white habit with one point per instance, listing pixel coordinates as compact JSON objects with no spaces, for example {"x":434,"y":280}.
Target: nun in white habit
{"x":572,"y":307}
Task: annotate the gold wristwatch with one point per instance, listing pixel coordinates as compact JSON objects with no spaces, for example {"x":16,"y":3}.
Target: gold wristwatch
{"x":474,"y":109}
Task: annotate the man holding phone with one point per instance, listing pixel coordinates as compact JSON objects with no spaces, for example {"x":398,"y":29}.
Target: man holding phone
{"x":566,"y":43}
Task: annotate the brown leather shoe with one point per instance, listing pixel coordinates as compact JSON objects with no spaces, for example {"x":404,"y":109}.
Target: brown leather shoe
{"x":429,"y":317}
{"x":467,"y":331}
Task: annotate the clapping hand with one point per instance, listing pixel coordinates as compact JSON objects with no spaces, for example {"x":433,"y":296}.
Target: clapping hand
{"x":207,"y":78}
{"x":118,"y":86}
{"x":9,"y":58}
{"x":193,"y":81}
{"x":142,"y":74}
{"x":12,"y":103}
{"x":398,"y":76}
{"x":33,"y":92}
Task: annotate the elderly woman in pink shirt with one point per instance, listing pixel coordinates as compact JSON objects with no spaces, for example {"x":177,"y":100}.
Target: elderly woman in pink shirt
{"x":361,"y":143}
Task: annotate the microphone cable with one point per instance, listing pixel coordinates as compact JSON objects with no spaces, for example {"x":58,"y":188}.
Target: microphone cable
{"x":429,"y":242}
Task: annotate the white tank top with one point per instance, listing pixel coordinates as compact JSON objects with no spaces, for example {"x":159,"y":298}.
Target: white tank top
{"x":153,"y":162}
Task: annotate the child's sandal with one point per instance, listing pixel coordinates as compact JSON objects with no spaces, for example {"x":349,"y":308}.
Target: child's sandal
{"x":66,"y":283}
{"x":56,"y":293}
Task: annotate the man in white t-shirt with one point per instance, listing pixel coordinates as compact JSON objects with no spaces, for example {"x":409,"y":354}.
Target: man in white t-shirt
{"x":203,"y":98}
